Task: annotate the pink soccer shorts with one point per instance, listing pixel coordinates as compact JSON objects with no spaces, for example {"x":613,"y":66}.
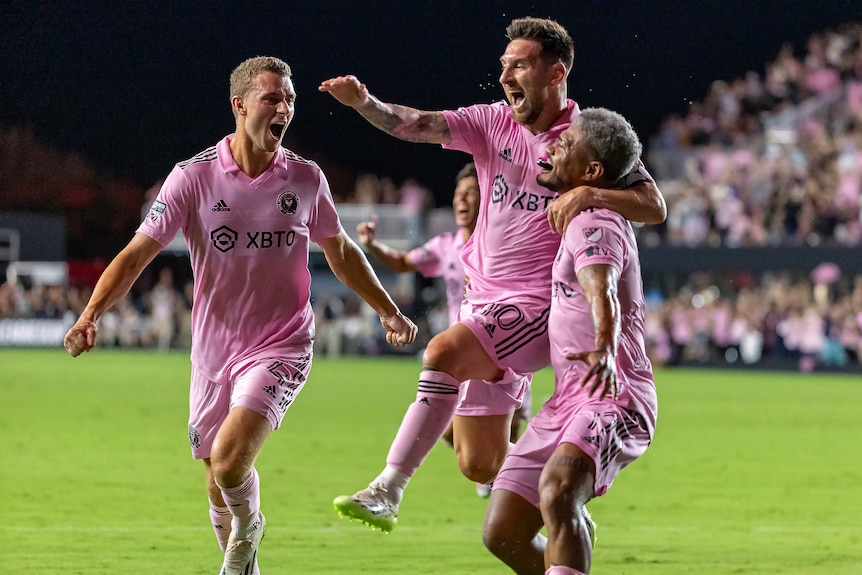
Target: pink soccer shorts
{"x":267,"y":386}
{"x":479,"y":397}
{"x":611,"y":435}
{"x":513,"y":333}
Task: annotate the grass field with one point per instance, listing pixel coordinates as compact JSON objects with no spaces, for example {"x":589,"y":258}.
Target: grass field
{"x":754,"y":473}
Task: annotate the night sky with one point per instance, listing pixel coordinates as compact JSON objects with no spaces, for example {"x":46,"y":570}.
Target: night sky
{"x":137,"y":86}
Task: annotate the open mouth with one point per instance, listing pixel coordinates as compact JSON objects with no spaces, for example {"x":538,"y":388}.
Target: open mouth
{"x":276,"y":130}
{"x":462,"y":216}
{"x":516,"y":99}
{"x":544,"y":163}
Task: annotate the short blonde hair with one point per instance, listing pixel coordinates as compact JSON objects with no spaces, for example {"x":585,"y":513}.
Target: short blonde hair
{"x":242,"y":78}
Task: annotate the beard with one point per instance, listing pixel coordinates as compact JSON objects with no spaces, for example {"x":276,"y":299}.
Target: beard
{"x":546,"y":180}
{"x":526,"y":115}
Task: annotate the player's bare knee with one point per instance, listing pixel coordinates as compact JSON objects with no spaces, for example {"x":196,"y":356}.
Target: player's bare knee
{"x":230,"y":476}
{"x":479,"y":472}
{"x":227,"y":466}
{"x":222,"y":474}
{"x":479,"y":466}
{"x":556,"y":499}
{"x":440,"y":354}
{"x":565,"y":486}
{"x":496,"y":538}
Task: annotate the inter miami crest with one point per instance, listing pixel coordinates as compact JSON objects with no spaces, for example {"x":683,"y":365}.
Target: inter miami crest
{"x":288,"y":202}
{"x":194,"y":437}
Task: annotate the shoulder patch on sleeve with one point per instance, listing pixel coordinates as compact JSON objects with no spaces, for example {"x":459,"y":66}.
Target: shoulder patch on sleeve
{"x":593,"y":234}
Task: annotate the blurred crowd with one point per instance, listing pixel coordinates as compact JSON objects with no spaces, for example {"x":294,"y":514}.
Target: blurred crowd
{"x":780,"y":320}
{"x":159,"y":317}
{"x":370,"y":189}
{"x":784,"y":320}
{"x":771,"y":158}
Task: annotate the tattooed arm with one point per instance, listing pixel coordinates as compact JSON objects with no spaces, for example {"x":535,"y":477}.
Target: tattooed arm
{"x":403,"y":122}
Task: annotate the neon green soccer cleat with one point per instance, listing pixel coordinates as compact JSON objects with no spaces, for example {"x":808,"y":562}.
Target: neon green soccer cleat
{"x":370,"y":506}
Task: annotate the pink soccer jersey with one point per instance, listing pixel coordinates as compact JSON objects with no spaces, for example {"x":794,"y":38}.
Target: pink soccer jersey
{"x":597,"y":237}
{"x":512,"y":249}
{"x":248,"y":242}
{"x":441,"y":257}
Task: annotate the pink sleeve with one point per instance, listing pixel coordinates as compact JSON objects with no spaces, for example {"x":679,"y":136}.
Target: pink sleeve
{"x":597,"y":238}
{"x":170,"y":210}
{"x":324,"y":222}
{"x":469,"y":128}
{"x":426,"y":258}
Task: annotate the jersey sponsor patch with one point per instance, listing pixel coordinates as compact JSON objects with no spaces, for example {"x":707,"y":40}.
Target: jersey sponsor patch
{"x":224,"y":238}
{"x":499,"y":189}
{"x":593,"y":234}
{"x":597,"y":251}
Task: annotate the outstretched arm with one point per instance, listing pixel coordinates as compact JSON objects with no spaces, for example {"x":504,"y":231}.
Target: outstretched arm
{"x":403,"y":122}
{"x":395,"y":260}
{"x":350,"y":266}
{"x":599,"y":283}
{"x":115,"y":282}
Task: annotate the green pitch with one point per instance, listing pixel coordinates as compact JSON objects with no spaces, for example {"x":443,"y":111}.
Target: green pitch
{"x":755,"y":473}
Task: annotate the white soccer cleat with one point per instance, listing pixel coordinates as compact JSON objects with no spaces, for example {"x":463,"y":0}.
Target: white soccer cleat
{"x":483,"y":490}
{"x":240,"y":556}
{"x":370,"y":506}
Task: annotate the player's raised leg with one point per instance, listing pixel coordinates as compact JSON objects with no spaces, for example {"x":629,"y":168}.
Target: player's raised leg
{"x":482,"y":420}
{"x":452,"y":356}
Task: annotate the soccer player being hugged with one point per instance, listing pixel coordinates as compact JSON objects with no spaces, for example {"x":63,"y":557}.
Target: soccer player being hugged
{"x":501,"y":333}
{"x":602,"y":414}
{"x":441,"y":257}
{"x":248,"y":209}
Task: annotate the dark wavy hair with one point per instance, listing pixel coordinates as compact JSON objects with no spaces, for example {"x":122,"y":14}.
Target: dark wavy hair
{"x":557,"y":45}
